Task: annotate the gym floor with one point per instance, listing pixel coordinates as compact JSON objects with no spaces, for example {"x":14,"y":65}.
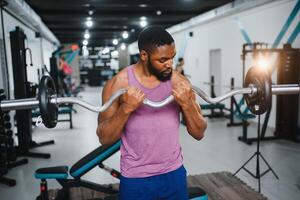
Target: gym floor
{"x":218,"y":151}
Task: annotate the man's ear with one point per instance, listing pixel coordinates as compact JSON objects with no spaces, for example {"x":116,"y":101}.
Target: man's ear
{"x":144,"y":56}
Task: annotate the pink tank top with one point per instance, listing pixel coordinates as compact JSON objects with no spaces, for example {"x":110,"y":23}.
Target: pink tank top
{"x":150,"y":138}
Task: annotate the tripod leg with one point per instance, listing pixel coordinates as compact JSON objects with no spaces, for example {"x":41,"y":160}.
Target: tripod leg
{"x":258,"y":170}
{"x":244,"y":164}
{"x":269,"y":166}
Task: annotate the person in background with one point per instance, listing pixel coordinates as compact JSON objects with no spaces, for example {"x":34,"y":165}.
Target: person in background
{"x":179,"y":66}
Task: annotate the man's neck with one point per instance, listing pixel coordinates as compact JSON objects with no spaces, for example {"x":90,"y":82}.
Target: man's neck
{"x":144,"y":76}
{"x":143,"y":71}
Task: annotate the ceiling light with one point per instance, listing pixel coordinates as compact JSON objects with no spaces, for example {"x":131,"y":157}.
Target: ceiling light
{"x":87,"y":35}
{"x":143,"y":23}
{"x":158,"y":12}
{"x":115,"y":41}
{"x":123,"y":46}
{"x":85,"y":42}
{"x":91,"y":12}
{"x":132,"y":30}
{"x":143,"y":18}
{"x":143,"y":5}
{"x":114,"y":54}
{"x":88,"y":18}
{"x":105,"y":50}
{"x":89,"y":23}
{"x":125,"y":35}
{"x":84,"y":47}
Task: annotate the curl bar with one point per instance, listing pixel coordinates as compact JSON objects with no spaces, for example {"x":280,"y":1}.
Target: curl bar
{"x":258,"y":94}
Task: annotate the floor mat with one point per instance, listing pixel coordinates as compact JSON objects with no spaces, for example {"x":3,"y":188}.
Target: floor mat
{"x":218,"y":186}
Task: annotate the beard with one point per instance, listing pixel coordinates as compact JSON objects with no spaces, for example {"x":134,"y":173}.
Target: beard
{"x":162,"y":76}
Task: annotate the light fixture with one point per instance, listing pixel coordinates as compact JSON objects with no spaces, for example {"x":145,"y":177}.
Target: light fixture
{"x":85,"y":42}
{"x":87,"y":35}
{"x":89,"y":19}
{"x":105,"y":50}
{"x":89,"y":23}
{"x":143,"y":18}
{"x":84,"y":47}
{"x":91,"y":12}
{"x":143,"y":5}
{"x":143,"y":23}
{"x":115,"y":41}
{"x":262,"y":61}
{"x":123,"y":46}
{"x":158,"y":12}
{"x":125,"y":35}
{"x":132,"y":30}
{"x":114,"y":54}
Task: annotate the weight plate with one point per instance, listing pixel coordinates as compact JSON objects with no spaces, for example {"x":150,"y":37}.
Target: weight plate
{"x":259,"y":102}
{"x":49,"y":111}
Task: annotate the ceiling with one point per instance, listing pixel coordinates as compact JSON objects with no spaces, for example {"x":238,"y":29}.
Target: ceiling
{"x":67,"y":18}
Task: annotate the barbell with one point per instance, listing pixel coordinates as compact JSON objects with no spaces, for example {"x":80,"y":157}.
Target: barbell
{"x":257,"y":92}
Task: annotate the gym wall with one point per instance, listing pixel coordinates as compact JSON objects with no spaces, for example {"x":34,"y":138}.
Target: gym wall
{"x":41,"y":51}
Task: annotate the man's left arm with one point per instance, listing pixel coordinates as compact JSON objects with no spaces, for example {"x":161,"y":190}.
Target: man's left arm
{"x":185,"y":97}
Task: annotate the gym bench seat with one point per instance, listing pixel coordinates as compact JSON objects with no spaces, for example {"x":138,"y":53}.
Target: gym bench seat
{"x":212,"y":108}
{"x":88,"y":162}
{"x":59,"y":172}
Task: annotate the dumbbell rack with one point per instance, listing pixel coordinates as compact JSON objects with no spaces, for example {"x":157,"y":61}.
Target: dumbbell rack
{"x":8,"y":152}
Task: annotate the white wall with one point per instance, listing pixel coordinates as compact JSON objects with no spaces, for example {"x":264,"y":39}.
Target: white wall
{"x":47,"y":49}
{"x":41,"y":50}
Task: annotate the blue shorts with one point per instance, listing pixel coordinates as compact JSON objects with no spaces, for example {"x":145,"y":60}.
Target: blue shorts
{"x":169,"y":186}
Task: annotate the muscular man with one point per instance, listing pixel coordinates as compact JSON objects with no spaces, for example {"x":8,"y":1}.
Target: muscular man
{"x":151,"y":157}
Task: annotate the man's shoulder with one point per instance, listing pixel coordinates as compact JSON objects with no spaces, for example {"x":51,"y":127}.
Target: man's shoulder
{"x":119,"y":81}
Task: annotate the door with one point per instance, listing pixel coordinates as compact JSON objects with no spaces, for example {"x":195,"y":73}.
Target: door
{"x":215,"y":69}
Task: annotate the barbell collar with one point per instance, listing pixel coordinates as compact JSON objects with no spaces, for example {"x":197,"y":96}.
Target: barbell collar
{"x":19,"y":104}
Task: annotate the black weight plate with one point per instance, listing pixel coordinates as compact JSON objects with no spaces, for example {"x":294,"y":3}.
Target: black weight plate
{"x":48,"y":110}
{"x":260,"y":102}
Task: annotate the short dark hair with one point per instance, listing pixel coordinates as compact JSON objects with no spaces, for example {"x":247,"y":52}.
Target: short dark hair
{"x":152,"y":37}
{"x":180,"y":59}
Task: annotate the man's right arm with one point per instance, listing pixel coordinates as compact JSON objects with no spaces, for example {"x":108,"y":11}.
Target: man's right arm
{"x":112,"y":121}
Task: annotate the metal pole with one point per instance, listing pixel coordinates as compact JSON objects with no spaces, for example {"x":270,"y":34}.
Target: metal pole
{"x":19,"y":104}
{"x":285,"y":89}
{"x":23,"y":104}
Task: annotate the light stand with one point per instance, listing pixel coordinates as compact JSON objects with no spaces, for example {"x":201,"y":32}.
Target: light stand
{"x":257,"y":154}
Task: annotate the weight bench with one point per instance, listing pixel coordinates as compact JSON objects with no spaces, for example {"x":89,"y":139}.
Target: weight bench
{"x":212,"y":108}
{"x":62,"y":110}
{"x":84,"y":165}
